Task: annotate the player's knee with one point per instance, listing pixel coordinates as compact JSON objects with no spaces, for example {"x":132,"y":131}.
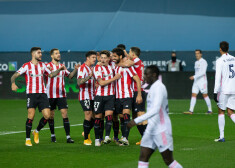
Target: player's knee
{"x":109,"y":119}
{"x":205,"y":95}
{"x":143,"y":157}
{"x":194,"y":95}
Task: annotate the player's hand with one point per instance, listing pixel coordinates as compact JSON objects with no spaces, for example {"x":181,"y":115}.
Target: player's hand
{"x":62,"y":68}
{"x":96,"y":85}
{"x":50,"y":68}
{"x":98,"y":63}
{"x":14,"y":87}
{"x":191,"y":77}
{"x":215,"y":98}
{"x":131,"y":124}
{"x":118,"y":76}
{"x":91,"y":73}
{"x":77,"y":66}
{"x":139,"y":99}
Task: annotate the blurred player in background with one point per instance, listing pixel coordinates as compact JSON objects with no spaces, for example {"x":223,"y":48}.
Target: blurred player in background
{"x":158,"y":134}
{"x":104,"y":96}
{"x":57,"y":94}
{"x":36,"y":91}
{"x":224,"y":91}
{"x":174,"y":65}
{"x":200,"y":83}
{"x":86,"y":85}
{"x":124,"y":92}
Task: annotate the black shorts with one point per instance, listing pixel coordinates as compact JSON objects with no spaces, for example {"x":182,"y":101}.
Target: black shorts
{"x":60,"y":102}
{"x":87,"y":105}
{"x":138,"y":107}
{"x":103,"y":103}
{"x":120,"y":104}
{"x":39,"y":100}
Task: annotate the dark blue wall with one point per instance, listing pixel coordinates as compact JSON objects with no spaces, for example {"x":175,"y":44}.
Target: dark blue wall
{"x":81,"y":25}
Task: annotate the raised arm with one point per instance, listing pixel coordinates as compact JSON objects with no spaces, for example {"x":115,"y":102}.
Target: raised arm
{"x":73,"y":73}
{"x":126,"y":64}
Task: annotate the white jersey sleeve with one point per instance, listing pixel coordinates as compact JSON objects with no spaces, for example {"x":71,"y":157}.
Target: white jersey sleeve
{"x":202,"y":69}
{"x":218,"y":75}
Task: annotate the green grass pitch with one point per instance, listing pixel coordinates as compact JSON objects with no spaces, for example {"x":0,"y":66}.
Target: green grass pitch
{"x":194,"y":145}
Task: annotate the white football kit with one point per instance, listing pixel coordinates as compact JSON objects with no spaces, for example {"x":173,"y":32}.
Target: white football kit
{"x":200,"y":79}
{"x":225,"y":81}
{"x":158,"y":133}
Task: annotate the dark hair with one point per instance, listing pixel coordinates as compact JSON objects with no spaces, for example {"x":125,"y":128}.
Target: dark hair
{"x":52,"y":50}
{"x":173,"y":52}
{"x":89,"y":53}
{"x":122,"y":46}
{"x":34,"y":49}
{"x":224,"y":45}
{"x":119,"y":52}
{"x":136,"y":50}
{"x":154,"y":69}
{"x":198,"y":50}
{"x":106,"y":52}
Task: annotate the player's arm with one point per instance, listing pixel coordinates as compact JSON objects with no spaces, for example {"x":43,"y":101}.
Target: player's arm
{"x":202,"y":71}
{"x":53,"y":74}
{"x":218,"y":75}
{"x":13,"y":78}
{"x":157,"y":99}
{"x":126,"y":64}
{"x":139,"y":99}
{"x":73,"y":73}
{"x":81,"y":81}
{"x":106,"y":82}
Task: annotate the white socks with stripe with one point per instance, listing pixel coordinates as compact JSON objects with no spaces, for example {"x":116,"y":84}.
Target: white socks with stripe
{"x":208,"y":103}
{"x":175,"y":164}
{"x":233,"y":117}
{"x":192,"y":103}
{"x":143,"y":164}
{"x":221,"y":122}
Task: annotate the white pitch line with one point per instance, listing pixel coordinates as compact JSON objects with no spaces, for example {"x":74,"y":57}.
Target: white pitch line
{"x":17,"y":132}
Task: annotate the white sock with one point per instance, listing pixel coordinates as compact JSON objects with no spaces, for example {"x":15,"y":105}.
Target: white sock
{"x":36,"y":131}
{"x":28,"y":139}
{"x":208,"y":103}
{"x":192,"y":103}
{"x":52,"y":135}
{"x":68,"y":136}
{"x":175,"y":164}
{"x":233,"y":117}
{"x":143,"y":164}
{"x":221,"y":122}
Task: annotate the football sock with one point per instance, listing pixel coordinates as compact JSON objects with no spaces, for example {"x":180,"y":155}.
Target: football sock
{"x":141,"y":129}
{"x":101,"y":129}
{"x":51,"y":125}
{"x":126,"y":121}
{"x":41,"y":124}
{"x":192,"y":103}
{"x":208,"y":103}
{"x":233,"y":117}
{"x":28,"y":127}
{"x":175,"y":164}
{"x":86,"y":128}
{"x":115,"y":128}
{"x":143,"y":164}
{"x":221,"y":122}
{"x":66,"y":126}
{"x":122,"y":126}
{"x":108,"y":124}
{"x":92,"y":122}
{"x":97,"y":128}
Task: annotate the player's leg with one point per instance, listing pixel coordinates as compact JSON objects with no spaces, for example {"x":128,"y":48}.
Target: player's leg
{"x":108,"y":125}
{"x":231,"y":107}
{"x":102,"y":128}
{"x":195,"y":91}
{"x":29,"y":121}
{"x":145,"y":154}
{"x":98,"y":110}
{"x":115,"y":127}
{"x":52,"y":126}
{"x":167,"y":156}
{"x":208,"y":102}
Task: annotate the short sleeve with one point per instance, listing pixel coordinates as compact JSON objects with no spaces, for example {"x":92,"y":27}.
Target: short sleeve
{"x":97,"y":72}
{"x":22,"y":70}
{"x":131,"y":71}
{"x":46,"y":70}
{"x":81,"y":72}
{"x":66,"y":73}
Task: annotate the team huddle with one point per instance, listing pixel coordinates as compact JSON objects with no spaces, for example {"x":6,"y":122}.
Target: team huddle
{"x":112,"y":89}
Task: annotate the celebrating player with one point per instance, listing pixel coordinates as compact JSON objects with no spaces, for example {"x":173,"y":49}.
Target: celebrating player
{"x":224,"y":90}
{"x":86,"y":85}
{"x":200,"y":83}
{"x":104,"y":96}
{"x":36,"y":91}
{"x":57,"y":94}
{"x":124,"y":92}
{"x":158,"y":134}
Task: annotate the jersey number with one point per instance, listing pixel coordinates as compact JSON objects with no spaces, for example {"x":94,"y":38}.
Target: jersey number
{"x":232,"y":71}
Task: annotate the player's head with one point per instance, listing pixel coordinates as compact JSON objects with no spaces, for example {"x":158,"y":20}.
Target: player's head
{"x":151,"y":74}
{"x":173,"y":56}
{"x":36,"y":53}
{"x":198,"y":54}
{"x":55,"y":54}
{"x":91,"y":57}
{"x":118,"y":55}
{"x":134,"y":52}
{"x":98,"y":56}
{"x":104,"y":57}
{"x":122,"y":46}
{"x":224,"y":46}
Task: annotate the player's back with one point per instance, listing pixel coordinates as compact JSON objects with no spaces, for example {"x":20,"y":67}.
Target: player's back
{"x":157,"y":106}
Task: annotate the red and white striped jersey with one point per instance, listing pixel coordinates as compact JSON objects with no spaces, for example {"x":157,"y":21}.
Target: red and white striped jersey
{"x":34,"y":77}
{"x":124,"y":84}
{"x":56,"y":85}
{"x":105,"y":73}
{"x":139,"y":68}
{"x":86,"y":90}
{"x":112,"y":64}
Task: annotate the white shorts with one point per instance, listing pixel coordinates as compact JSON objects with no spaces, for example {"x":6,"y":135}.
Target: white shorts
{"x":162,"y":141}
{"x":226,"y":101}
{"x":199,"y":86}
